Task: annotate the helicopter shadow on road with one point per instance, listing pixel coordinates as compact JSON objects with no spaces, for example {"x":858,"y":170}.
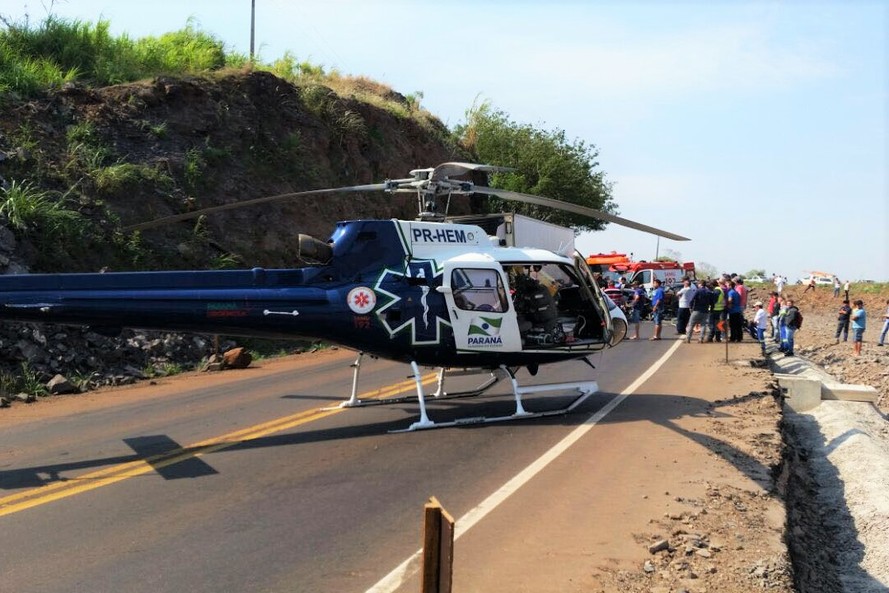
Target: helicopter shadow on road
{"x":172,"y":461}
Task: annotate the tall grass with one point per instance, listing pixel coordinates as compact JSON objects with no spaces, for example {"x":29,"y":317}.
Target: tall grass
{"x":27,"y":209}
{"x":58,"y":51}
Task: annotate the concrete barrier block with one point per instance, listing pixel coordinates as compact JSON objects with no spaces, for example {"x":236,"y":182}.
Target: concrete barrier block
{"x":803,"y":393}
{"x":848,"y":392}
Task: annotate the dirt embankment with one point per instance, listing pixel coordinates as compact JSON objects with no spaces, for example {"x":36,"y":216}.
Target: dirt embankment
{"x":149,"y":149}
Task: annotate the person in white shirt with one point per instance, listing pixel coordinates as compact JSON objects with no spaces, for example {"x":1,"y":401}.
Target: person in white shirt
{"x":761,"y":321}
{"x":779,"y":284}
{"x":683,"y":314}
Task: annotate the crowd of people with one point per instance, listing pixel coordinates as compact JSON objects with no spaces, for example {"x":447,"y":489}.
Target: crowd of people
{"x":715,"y":310}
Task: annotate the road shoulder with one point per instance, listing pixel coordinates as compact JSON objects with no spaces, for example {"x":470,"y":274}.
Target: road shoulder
{"x":675,"y":490}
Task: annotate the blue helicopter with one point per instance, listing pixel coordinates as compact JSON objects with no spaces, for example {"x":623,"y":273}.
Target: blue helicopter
{"x":428,"y":292}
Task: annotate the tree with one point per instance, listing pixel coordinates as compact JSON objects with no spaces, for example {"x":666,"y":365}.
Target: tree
{"x":544,"y":163}
{"x":705,"y":270}
{"x":760,"y":273}
{"x":670,"y":255}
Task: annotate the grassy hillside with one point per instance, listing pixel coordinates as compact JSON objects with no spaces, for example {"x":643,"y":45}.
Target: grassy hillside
{"x":98,"y":132}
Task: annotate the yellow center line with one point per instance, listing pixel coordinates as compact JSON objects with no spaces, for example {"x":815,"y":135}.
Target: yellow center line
{"x":122,"y":471}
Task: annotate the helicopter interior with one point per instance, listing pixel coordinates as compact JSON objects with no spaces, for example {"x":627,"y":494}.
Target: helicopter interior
{"x":545,"y":302}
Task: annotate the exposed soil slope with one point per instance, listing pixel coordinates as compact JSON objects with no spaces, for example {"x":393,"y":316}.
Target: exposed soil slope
{"x":166,"y":146}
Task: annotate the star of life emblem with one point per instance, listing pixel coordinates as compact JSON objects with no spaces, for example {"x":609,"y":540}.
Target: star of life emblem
{"x":361,"y":300}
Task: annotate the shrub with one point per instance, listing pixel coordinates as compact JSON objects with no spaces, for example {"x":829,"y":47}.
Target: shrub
{"x":29,"y":209}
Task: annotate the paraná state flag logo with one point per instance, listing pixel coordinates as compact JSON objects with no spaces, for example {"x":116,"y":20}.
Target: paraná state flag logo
{"x":485,"y":331}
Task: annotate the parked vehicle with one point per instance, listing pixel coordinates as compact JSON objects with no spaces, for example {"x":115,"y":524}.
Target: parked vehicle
{"x":616,"y":265}
{"x":820,"y":279}
{"x":516,"y":230}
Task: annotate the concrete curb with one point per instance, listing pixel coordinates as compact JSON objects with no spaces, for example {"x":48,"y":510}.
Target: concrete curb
{"x":846,"y":448}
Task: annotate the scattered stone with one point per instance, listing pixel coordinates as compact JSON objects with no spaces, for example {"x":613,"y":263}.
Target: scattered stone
{"x":237,"y":358}
{"x":60,"y":384}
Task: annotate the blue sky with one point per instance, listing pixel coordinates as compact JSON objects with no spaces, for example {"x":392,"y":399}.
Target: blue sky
{"x":758,"y":129}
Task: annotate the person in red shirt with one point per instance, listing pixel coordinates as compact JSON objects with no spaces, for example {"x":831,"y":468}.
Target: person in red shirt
{"x":742,"y":292}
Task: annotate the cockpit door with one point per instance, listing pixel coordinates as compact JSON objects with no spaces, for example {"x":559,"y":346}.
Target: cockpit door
{"x":481,"y":314}
{"x":587,"y":277}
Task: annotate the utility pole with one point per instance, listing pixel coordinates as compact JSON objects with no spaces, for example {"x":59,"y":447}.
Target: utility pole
{"x":252,"y":26}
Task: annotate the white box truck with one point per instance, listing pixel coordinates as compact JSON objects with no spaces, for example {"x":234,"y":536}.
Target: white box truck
{"x":517,"y":230}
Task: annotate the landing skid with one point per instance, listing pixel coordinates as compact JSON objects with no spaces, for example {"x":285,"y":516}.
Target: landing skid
{"x":584,"y":389}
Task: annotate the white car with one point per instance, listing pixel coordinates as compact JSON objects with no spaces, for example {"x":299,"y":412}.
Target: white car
{"x":754,"y":280}
{"x":824,"y":280}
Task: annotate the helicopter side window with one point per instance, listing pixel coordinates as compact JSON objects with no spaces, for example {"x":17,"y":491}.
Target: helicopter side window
{"x":478,"y":290}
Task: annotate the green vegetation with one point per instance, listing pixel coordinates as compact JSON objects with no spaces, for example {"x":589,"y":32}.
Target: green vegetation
{"x":123,"y":176}
{"x":59,"y":51}
{"x":544,"y":163}
{"x":27,"y":381}
{"x":28,"y":209}
{"x":869,"y":288}
{"x":59,"y":233}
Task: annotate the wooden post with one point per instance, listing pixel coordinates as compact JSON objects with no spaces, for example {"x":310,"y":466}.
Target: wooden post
{"x":724,"y":331}
{"x":438,"y":549}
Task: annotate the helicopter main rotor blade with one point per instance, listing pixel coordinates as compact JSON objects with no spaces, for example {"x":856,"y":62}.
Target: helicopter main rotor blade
{"x":576,"y":209}
{"x":388,"y":186}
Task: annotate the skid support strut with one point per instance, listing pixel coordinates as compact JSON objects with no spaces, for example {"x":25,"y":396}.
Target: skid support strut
{"x":355,"y":402}
{"x":583,"y":388}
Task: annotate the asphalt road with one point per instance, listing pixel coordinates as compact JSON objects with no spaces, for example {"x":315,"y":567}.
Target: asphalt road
{"x":237,"y":482}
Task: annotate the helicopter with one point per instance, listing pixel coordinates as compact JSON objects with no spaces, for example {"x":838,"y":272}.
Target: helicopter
{"x":428,"y":292}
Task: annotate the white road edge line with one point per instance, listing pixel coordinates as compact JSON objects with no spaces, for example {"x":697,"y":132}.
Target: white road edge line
{"x":392,"y":581}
